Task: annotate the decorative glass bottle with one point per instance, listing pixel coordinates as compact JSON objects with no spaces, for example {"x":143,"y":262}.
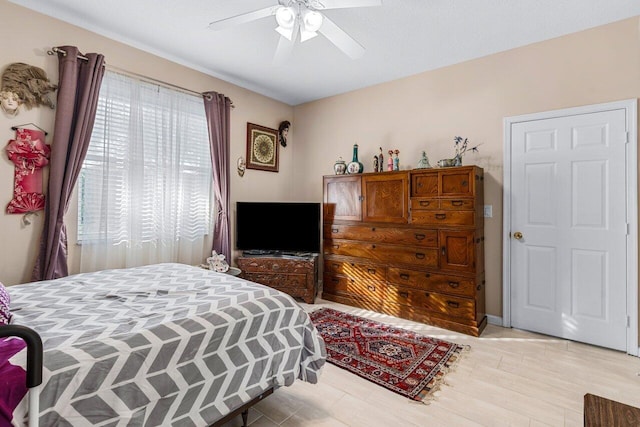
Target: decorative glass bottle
{"x":355,"y":166}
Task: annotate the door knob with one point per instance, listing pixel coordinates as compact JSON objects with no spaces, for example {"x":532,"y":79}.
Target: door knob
{"x":517,"y":235}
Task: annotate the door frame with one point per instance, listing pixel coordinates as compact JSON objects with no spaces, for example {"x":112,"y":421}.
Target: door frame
{"x":631,"y":111}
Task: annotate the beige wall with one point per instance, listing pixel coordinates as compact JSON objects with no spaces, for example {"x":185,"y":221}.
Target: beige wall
{"x":25,"y":36}
{"x":471,"y":99}
{"x":422,"y":112}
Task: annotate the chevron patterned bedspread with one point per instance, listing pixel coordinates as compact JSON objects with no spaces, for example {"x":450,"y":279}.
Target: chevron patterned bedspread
{"x":161,"y":345}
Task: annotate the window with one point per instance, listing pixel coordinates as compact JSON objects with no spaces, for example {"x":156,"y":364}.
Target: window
{"x":146,"y":178}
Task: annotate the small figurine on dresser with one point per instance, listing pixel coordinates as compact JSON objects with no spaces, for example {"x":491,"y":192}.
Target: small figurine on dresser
{"x":396,"y":161}
{"x":375,"y":163}
{"x":217,"y":263}
{"x":380,"y":161}
{"x":423,"y":163}
{"x":390,"y":161}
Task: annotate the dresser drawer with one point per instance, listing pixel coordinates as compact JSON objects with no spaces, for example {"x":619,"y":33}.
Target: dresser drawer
{"x":388,"y":254}
{"x":431,"y":204}
{"x":275,"y":265}
{"x":398,"y":236}
{"x":433,"y":302}
{"x":281,"y":282}
{"x":443,"y":218}
{"x":340,"y":285}
{"x":355,"y":270}
{"x":457,"y":182}
{"x":425,"y":203}
{"x":424,"y":184}
{"x":426,"y":281}
{"x":457,"y":204}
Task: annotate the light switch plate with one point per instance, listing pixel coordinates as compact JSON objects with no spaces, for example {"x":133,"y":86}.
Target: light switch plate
{"x":488,"y":211}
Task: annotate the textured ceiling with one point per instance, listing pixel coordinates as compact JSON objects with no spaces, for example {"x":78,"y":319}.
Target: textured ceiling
{"x":401,"y":37}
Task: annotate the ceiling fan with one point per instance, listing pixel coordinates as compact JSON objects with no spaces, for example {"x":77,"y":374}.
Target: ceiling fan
{"x":303,"y":18}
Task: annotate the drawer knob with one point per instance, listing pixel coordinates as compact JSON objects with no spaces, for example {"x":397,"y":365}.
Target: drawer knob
{"x":453,"y":304}
{"x":371,"y":288}
{"x":454,"y":284}
{"x":444,"y":250}
{"x":373,"y":229}
{"x":427,"y":275}
{"x":335,"y":230}
{"x":403,"y":294}
{"x":336,"y":246}
{"x":457,"y":203}
{"x":419,"y":236}
{"x":371,"y":271}
{"x":404,"y":276}
{"x":424,"y":203}
{"x":419,"y":255}
{"x":373,"y":246}
{"x":441,"y":216}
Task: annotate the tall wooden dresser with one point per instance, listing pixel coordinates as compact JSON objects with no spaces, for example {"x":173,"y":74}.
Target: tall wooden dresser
{"x":409,"y":244}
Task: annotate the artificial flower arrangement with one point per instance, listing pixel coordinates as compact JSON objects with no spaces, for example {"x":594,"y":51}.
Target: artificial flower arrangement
{"x":462,"y":146}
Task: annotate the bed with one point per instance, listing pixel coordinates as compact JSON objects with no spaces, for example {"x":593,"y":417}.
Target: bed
{"x":165,"y":344}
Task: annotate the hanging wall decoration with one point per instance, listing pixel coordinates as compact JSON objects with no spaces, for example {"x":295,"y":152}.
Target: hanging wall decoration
{"x":24,"y":84}
{"x":283,"y":132}
{"x":30,"y":154}
{"x":262,"y":148}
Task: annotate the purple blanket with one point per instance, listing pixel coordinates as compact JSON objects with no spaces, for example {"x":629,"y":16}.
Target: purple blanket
{"x":13,"y":379}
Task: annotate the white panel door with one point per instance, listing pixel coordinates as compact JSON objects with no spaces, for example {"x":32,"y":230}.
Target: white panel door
{"x":568,"y":202}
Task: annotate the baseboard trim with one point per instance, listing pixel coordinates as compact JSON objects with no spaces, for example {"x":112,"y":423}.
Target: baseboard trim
{"x":494,"y":320}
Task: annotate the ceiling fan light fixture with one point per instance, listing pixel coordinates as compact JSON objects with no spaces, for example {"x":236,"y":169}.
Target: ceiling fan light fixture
{"x":285,"y":32}
{"x":306,"y":35}
{"x":312,"y":20}
{"x":286,"y":17}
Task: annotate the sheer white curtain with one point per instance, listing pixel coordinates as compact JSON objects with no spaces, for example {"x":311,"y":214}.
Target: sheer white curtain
{"x":145,"y":186}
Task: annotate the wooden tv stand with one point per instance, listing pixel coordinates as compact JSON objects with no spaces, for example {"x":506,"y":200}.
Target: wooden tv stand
{"x":294,"y":275}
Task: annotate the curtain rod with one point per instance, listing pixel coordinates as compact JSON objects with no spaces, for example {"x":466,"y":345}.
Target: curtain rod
{"x":55,"y":50}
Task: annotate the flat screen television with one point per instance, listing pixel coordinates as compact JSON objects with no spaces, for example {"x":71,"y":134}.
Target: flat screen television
{"x":289,"y":228}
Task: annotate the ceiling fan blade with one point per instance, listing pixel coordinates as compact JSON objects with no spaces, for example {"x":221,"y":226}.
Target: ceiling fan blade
{"x":283,"y":51}
{"x":343,"y":4}
{"x":285,"y":47}
{"x":244,"y":18}
{"x":342,"y":40}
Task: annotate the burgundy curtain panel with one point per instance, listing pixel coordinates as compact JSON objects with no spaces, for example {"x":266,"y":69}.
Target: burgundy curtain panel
{"x":78,"y":90}
{"x":218,"y":111}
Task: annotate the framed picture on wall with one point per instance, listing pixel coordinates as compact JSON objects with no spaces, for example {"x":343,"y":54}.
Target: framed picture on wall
{"x":262,"y":148}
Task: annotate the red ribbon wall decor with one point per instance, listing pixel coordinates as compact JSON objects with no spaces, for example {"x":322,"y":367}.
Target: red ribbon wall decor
{"x":30,"y":154}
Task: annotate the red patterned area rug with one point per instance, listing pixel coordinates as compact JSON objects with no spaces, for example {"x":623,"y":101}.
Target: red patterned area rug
{"x":403,"y":361}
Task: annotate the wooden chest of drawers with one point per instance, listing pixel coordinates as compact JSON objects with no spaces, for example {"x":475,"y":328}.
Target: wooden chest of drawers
{"x":410,"y":244}
{"x":296,"y":276}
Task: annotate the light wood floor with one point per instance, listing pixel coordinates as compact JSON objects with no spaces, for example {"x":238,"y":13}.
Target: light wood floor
{"x":509,"y":378}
